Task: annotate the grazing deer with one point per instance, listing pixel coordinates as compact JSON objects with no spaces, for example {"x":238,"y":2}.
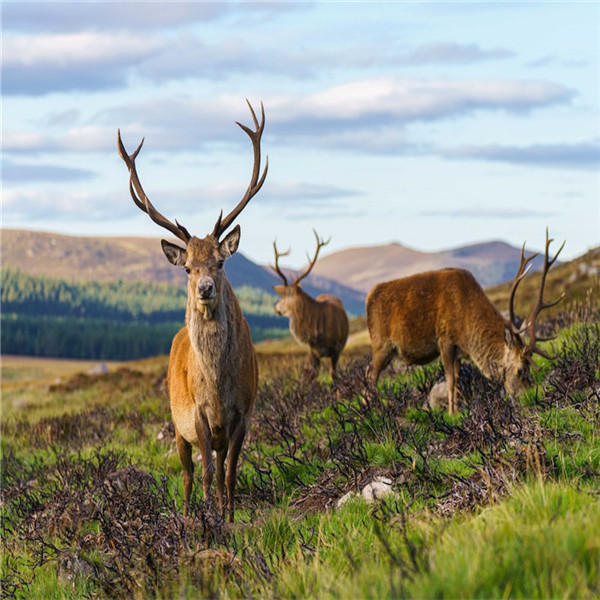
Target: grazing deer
{"x":320,"y":322}
{"x":213,"y":373}
{"x":446,"y":313}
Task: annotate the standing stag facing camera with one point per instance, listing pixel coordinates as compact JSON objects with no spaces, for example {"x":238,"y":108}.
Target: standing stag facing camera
{"x":213,"y":373}
{"x":446,"y":313}
{"x":320,"y":322}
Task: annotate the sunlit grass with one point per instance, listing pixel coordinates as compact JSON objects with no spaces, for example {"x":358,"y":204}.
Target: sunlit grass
{"x":537,"y":539}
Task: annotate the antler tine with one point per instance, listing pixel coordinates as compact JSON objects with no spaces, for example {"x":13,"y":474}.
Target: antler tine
{"x":521,"y":273}
{"x":540,"y":304}
{"x":320,"y":244}
{"x":255,"y":183}
{"x":278,"y":255}
{"x":139,"y":196}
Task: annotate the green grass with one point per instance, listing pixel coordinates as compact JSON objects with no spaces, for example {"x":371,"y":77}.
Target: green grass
{"x":530,"y":529}
{"x":541,"y":542}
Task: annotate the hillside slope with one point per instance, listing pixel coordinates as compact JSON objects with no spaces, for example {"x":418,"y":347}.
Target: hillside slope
{"x":362,"y":268}
{"x":136,"y":259}
{"x":576,"y":279}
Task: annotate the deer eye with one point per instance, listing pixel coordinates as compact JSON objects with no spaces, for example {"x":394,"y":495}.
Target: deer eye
{"x":220,"y":263}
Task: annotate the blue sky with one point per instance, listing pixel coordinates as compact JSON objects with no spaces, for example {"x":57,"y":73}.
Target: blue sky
{"x":433,"y":124}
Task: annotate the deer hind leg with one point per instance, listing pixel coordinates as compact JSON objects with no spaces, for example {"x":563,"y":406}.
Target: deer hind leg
{"x":221,"y":455}
{"x":382,"y":356}
{"x":449,"y":362}
{"x":184,"y":448}
{"x":235,"y":445}
{"x":334,"y":359}
{"x":314,"y":363}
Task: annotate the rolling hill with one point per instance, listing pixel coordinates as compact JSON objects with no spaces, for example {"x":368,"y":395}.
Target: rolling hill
{"x":140,"y":259}
{"x":137,"y":259}
{"x":362,"y":268}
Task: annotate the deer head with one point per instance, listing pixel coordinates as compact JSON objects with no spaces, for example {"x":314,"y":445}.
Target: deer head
{"x":518,"y":352}
{"x":202,"y":258}
{"x":290,"y":291}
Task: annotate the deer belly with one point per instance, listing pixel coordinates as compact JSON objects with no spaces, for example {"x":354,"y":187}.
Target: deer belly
{"x":418,"y":353}
{"x":184,"y":419}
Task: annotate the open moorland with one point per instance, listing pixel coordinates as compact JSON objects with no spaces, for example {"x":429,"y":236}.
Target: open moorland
{"x":499,"y":501}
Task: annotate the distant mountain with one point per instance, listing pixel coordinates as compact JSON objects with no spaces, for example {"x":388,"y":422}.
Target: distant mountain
{"x":137,"y":259}
{"x":349,"y":274}
{"x":362,"y":268}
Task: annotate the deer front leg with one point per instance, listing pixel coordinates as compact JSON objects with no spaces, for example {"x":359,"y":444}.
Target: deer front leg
{"x":208,"y":467}
{"x":449,"y":360}
{"x":456,"y":380}
{"x":184,"y":448}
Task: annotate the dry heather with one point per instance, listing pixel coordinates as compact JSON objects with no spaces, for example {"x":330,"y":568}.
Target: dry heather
{"x":94,"y":498}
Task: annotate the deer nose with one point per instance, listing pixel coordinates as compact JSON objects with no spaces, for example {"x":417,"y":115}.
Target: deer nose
{"x":206,"y":288}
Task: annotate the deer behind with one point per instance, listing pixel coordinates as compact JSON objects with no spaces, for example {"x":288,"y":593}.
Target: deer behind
{"x":446,"y":313}
{"x":320,"y":322}
{"x":213,"y":373}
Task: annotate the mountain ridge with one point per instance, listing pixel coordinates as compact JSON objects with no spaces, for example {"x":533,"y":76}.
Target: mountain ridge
{"x":106,"y":258}
{"x":350,"y":273}
{"x":490,"y":262}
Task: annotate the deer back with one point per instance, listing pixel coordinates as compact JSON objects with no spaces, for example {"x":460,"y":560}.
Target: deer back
{"x":335,"y":319}
{"x":321,"y":321}
{"x":415,"y":312}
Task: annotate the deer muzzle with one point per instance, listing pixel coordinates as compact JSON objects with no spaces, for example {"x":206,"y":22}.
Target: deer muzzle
{"x":206,"y":296}
{"x":206,"y":290}
{"x":279,"y":308}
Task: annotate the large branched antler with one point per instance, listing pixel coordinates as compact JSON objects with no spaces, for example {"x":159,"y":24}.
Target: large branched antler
{"x":540,"y":304}
{"x":320,"y":244}
{"x":255,"y":183}
{"x":276,"y":267}
{"x":141,"y":200}
{"x":521,"y":273}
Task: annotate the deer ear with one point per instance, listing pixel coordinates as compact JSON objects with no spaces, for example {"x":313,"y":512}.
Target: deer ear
{"x":279,"y":289}
{"x":231,"y":242}
{"x":175,"y":254}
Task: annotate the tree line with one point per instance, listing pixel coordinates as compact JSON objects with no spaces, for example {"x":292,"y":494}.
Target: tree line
{"x":44,"y":316}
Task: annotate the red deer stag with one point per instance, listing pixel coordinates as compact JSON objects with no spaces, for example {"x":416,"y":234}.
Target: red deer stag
{"x":320,"y":322}
{"x":213,"y":373}
{"x":446,"y":313}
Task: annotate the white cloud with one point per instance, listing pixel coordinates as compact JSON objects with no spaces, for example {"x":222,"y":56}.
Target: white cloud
{"x":89,"y":138}
{"x":450,"y":52}
{"x":366,"y":115}
{"x":73,"y":48}
{"x":32,"y":173}
{"x":25,"y":205}
{"x":494,"y":212}
{"x":70,"y":16}
{"x":423,"y":99}
{"x":36,"y":64}
{"x":582,"y":155}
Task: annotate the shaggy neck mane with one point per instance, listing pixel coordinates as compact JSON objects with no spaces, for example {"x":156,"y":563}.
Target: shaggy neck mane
{"x":211,"y":339}
{"x":484,"y":343}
